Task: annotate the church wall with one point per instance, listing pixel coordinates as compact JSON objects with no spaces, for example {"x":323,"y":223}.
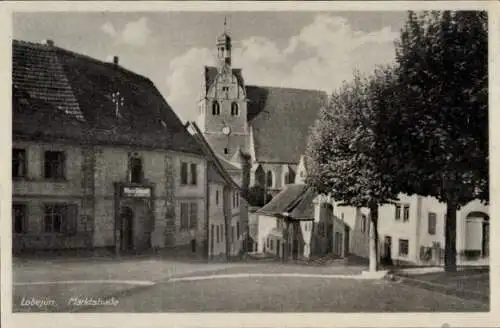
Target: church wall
{"x":218,"y":142}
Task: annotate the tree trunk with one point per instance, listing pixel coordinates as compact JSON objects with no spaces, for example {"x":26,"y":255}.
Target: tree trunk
{"x":450,"y":236}
{"x":374,"y":261}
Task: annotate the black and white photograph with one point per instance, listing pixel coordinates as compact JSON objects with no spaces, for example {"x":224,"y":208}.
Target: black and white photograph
{"x":239,"y":161}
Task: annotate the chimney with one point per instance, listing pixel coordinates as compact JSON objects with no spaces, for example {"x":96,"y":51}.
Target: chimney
{"x":48,"y":42}
{"x":115,"y":60}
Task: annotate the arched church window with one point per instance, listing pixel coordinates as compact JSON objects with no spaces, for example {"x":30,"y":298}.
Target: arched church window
{"x":234,"y":109}
{"x":269,"y":179}
{"x":215,"y":108}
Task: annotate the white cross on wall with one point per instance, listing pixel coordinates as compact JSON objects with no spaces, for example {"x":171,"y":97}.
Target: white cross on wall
{"x":118,"y":101}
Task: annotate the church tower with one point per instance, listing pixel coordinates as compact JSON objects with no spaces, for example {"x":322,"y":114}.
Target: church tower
{"x":222,"y":108}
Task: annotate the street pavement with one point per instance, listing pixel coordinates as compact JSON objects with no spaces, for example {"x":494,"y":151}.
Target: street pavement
{"x":159,"y":285}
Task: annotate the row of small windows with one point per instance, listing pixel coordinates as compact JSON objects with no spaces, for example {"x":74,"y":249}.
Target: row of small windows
{"x":54,"y":167}
{"x":235,"y":195}
{"x":54,"y":164}
{"x":57,"y":218}
{"x":289,"y":178}
{"x":217,"y":233}
{"x":235,"y":111}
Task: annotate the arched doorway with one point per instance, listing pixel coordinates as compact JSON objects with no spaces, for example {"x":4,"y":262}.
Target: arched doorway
{"x":477,"y":233}
{"x":127,"y":229}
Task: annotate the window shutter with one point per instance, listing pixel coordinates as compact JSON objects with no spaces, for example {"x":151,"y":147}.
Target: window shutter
{"x":71,"y":219}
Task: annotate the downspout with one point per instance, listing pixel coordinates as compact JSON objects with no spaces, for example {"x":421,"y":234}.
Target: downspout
{"x":228,"y":211}
{"x":207,"y":214}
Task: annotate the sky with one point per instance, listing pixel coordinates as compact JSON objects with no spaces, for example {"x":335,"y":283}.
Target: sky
{"x":309,"y":50}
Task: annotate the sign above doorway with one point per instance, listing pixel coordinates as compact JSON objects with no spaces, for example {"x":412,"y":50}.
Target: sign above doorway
{"x":136,"y":192}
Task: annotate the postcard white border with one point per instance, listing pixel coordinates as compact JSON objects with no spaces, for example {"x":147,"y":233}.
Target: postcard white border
{"x":230,"y":319}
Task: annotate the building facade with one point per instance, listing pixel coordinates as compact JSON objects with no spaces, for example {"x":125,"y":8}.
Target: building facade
{"x":100,"y":160}
{"x":227,"y":209}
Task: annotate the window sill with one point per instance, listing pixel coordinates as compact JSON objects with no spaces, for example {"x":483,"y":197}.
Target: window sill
{"x":54,"y":180}
{"x":51,"y":180}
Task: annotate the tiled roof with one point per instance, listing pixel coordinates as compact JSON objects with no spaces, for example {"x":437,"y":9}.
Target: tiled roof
{"x":281,"y":119}
{"x":211,"y":73}
{"x":294,"y":199}
{"x":59,"y":94}
{"x":303,"y":207}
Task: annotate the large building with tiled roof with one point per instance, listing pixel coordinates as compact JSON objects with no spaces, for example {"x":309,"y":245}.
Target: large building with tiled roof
{"x":100,"y":159}
{"x":267,"y":126}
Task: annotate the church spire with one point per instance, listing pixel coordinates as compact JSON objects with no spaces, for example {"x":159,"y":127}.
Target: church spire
{"x":224,"y":47}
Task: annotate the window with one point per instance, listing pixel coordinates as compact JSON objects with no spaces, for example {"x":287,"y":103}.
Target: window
{"x":431,"y":222}
{"x":189,"y":174}
{"x":237,"y":230}
{"x":189,"y":216}
{"x":194,"y":174}
{"x":226,"y":151}
{"x":60,"y":218}
{"x":233,"y":233}
{"x":54,"y":162}
{"x":406,"y":213}
{"x":287,"y":178}
{"x":217,"y":197}
{"x":193,"y":215}
{"x":19,"y":218}
{"x":398,"y":213}
{"x":237,"y":199}
{"x":269,"y":179}
{"x":212,"y":238}
{"x":18,"y":163}
{"x":403,"y":247}
{"x":234,"y":109}
{"x":342,"y":216}
{"x":215,"y":108}
{"x":221,"y":232}
{"x":184,"y":215}
{"x":184,"y":173}
{"x":135,"y":169}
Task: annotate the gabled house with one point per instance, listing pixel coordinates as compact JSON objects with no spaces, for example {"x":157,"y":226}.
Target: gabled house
{"x":226,"y":208}
{"x":100,"y":159}
{"x":297,"y":223}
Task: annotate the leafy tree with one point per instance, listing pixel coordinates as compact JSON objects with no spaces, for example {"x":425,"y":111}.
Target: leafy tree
{"x":441,"y":124}
{"x":348,"y":154}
